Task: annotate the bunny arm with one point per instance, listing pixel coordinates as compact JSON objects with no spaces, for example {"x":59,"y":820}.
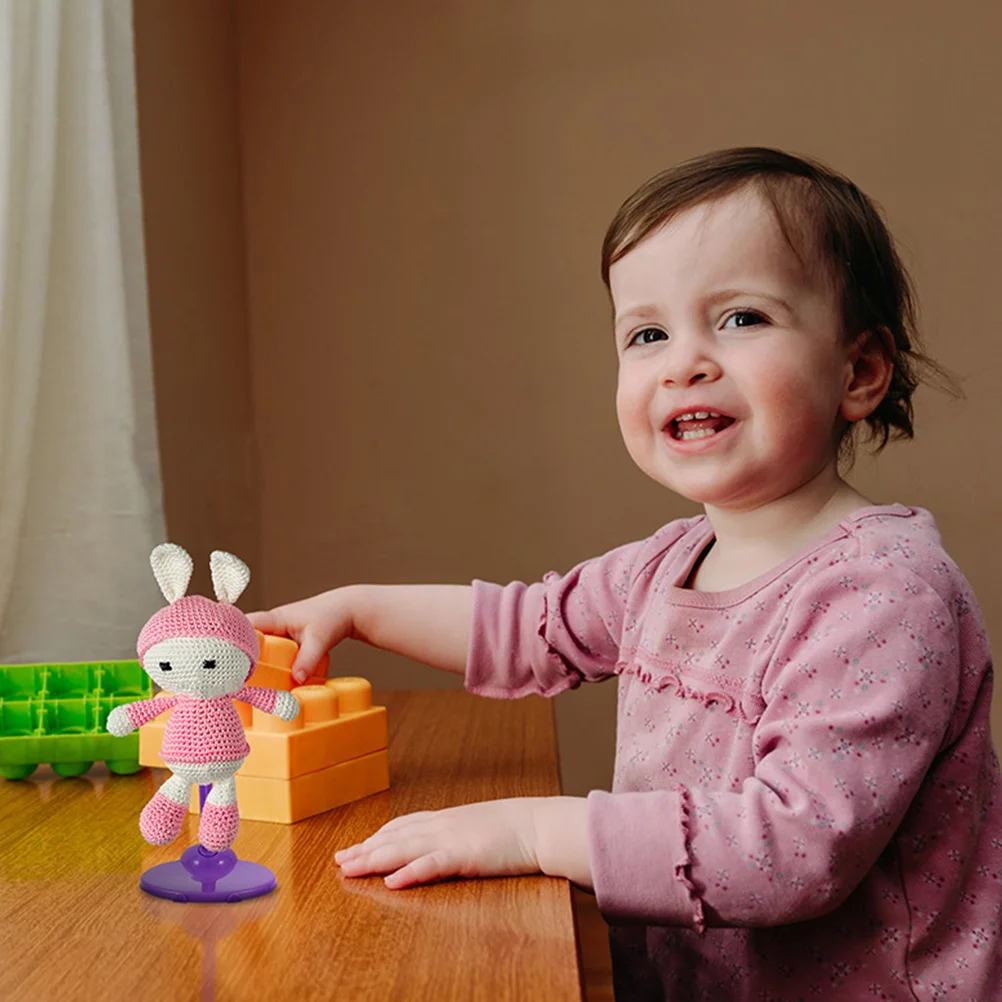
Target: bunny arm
{"x":145,"y":710}
{"x":282,"y":704}
{"x":125,"y":719}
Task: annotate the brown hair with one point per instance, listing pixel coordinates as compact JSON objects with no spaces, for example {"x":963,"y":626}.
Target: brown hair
{"x":839,"y":226}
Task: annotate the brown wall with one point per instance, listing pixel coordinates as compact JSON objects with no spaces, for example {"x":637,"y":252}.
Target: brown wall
{"x":425,"y":188}
{"x":186,"y":86}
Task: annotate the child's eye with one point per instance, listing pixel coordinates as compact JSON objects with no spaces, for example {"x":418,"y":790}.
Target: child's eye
{"x":648,"y":336}
{"x":752,"y":319}
{"x":209,"y":664}
{"x":165,"y":666}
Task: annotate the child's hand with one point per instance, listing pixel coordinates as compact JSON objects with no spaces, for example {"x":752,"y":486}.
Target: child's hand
{"x":317,"y":624}
{"x":496,"y":838}
{"x":491,"y":839}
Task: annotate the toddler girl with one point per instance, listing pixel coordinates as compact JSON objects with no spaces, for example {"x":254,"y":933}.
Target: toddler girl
{"x":806,"y":797}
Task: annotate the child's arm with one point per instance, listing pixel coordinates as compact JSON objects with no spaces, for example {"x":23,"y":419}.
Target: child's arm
{"x":571,"y":639}
{"x":496,"y":838}
{"x":429,"y":623}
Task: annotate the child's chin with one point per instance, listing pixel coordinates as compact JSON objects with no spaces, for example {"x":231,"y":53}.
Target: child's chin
{"x":716,"y":495}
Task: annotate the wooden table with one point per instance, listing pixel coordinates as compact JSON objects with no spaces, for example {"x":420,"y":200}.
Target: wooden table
{"x":74,"y":924}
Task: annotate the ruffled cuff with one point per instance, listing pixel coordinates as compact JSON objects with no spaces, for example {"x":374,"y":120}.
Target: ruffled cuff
{"x":509,"y":655}
{"x":640,"y":858}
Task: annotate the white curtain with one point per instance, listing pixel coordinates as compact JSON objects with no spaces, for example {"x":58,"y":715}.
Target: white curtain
{"x":80,"y":497}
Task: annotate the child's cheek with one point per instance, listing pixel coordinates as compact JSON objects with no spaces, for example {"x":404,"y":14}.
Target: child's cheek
{"x":631,"y":406}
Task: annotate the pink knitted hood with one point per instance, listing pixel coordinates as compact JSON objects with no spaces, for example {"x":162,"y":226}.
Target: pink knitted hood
{"x":197,"y":616}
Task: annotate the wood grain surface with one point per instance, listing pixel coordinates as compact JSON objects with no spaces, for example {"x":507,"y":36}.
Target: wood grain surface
{"x":74,"y":924}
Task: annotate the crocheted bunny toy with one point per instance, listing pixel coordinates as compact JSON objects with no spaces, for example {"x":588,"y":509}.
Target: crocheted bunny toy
{"x":203,"y":653}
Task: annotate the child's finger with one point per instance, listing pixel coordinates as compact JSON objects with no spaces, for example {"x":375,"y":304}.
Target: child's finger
{"x":432,"y":866}
{"x":311,"y":650}
{"x":268,"y":621}
{"x":352,"y":851}
{"x":376,"y":840}
{"x":385,"y":859}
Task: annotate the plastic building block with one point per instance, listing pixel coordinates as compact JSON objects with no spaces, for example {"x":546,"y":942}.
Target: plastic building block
{"x":289,"y":800}
{"x":331,"y":753}
{"x":56,"y":713}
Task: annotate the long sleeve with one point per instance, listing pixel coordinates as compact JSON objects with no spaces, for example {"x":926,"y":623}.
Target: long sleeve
{"x":553,"y":635}
{"x":858,"y":696}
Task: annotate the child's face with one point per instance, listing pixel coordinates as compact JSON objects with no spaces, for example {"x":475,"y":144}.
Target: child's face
{"x":697,"y":331}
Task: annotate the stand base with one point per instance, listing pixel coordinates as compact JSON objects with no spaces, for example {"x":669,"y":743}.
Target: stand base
{"x":201,"y":875}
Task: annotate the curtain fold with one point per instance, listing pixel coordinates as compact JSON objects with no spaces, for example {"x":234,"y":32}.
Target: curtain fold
{"x":80,"y":495}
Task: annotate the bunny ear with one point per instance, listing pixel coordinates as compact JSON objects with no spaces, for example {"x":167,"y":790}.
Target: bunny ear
{"x":172,"y":568}
{"x":229,"y":576}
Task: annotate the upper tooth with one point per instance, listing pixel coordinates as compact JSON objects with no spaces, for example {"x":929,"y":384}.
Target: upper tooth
{"x":699,"y":415}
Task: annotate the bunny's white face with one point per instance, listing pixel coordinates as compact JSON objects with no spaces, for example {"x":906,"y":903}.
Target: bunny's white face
{"x":203,"y":667}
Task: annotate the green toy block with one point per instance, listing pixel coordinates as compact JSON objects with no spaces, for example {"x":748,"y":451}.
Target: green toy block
{"x":56,"y":714}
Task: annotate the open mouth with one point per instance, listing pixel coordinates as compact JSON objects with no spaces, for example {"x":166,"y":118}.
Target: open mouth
{"x":698,"y":424}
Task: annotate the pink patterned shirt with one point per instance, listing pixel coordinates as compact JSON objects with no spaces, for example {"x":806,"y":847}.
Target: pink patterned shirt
{"x":806,"y":796}
{"x":203,"y":730}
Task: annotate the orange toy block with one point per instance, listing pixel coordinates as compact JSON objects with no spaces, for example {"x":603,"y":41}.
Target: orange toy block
{"x":289,"y":800}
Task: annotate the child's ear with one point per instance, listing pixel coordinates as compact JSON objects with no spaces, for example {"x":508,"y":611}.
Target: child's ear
{"x":869,"y":367}
{"x":230,"y":575}
{"x":172,"y":568}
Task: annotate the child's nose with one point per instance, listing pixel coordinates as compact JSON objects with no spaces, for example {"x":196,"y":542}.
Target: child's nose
{"x":689,"y":360}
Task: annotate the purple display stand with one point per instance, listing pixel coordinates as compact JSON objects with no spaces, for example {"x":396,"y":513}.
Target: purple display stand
{"x":202,"y":875}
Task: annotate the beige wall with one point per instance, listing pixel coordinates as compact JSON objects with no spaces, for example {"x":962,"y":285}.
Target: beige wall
{"x":419,"y":338}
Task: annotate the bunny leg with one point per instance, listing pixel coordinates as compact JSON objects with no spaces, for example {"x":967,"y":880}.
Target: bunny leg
{"x":161,"y":819}
{"x":220,"y":816}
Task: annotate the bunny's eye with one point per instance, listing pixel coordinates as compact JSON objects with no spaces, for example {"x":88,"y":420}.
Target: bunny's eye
{"x":165,"y":666}
{"x":211,"y":663}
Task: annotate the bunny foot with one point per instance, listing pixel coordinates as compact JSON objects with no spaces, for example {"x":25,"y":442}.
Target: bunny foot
{"x":161,"y":819}
{"x":219,"y":825}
